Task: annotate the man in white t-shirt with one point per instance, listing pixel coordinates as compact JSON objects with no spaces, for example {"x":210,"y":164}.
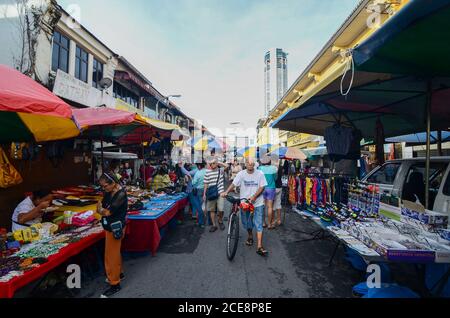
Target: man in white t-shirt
{"x":252,"y":183}
{"x":30,"y":210}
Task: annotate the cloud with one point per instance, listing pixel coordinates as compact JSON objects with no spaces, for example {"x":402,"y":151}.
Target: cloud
{"x":212,"y":52}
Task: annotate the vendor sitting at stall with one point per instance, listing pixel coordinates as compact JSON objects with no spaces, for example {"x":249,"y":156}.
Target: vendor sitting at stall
{"x":161,"y":180}
{"x":30,"y":210}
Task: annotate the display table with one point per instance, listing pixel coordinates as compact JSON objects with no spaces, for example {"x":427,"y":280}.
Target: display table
{"x":8,"y":289}
{"x":369,"y":255}
{"x":142,"y":232}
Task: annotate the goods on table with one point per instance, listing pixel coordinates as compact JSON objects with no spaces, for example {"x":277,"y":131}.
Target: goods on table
{"x":33,"y":254}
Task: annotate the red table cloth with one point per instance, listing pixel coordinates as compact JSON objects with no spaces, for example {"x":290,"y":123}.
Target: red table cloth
{"x":144,"y":235}
{"x":8,"y":289}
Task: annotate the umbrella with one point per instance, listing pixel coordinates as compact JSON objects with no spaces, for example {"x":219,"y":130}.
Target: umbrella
{"x":254,"y":151}
{"x":205,"y":143}
{"x":419,"y":138}
{"x":30,"y":112}
{"x":415,"y":42}
{"x":290,"y":153}
{"x":401,"y":78}
{"x":312,"y":152}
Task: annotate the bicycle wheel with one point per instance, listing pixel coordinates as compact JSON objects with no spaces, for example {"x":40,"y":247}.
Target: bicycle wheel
{"x":233,"y":235}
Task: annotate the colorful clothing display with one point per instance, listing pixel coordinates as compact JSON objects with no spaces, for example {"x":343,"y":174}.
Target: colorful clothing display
{"x":308,"y":189}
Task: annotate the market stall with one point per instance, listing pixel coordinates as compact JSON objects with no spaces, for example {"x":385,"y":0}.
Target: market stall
{"x":30,"y":112}
{"x":31,"y":253}
{"x":399,"y":85}
{"x":148,"y":216}
{"x":380,"y":233}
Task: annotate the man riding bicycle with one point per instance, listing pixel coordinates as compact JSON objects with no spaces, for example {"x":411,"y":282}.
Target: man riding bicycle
{"x":252,"y":183}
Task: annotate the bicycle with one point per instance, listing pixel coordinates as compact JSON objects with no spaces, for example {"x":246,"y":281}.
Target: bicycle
{"x":233,"y":225}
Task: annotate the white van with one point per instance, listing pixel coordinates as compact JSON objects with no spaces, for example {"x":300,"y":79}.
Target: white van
{"x":396,"y":177}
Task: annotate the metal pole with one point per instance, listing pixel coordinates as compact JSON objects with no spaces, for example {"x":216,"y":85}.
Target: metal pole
{"x":428,"y":155}
{"x":143,"y":158}
{"x":101,"y":149}
{"x":439,"y":142}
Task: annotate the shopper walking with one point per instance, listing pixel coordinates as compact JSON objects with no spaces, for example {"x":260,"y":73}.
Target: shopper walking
{"x":213,"y":187}
{"x":113,"y":209}
{"x":252,"y":183}
{"x":279,"y":192}
{"x":197,"y":192}
{"x":270,"y":173}
{"x":235,"y":169}
{"x":189,"y":174}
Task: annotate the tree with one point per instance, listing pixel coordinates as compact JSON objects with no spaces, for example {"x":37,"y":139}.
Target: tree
{"x":34,"y":18}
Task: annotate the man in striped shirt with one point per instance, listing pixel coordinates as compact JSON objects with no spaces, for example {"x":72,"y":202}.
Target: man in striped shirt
{"x":215,"y":176}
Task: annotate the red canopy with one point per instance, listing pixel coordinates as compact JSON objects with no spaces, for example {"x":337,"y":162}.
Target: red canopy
{"x":19,"y":93}
{"x":86,"y":117}
{"x":143,"y":134}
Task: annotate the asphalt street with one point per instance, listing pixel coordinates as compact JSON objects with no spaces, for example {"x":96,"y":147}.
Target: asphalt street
{"x":192,"y":263}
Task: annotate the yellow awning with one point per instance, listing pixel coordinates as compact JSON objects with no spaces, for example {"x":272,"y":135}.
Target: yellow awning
{"x":324,"y":81}
{"x":48,"y":128}
{"x":158,"y":123}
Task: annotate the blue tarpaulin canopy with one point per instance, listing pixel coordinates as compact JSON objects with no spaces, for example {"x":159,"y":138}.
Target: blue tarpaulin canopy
{"x":401,"y":77}
{"x":419,"y":138}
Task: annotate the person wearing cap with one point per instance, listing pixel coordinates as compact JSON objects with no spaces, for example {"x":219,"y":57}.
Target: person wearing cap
{"x":215,"y":177}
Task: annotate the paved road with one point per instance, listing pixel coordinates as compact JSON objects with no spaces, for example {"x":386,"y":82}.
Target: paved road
{"x":192,"y":263}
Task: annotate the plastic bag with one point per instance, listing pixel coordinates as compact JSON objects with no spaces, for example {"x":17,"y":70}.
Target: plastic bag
{"x":9,"y":176}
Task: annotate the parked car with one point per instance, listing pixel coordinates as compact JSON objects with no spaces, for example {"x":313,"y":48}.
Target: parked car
{"x":402,"y":177}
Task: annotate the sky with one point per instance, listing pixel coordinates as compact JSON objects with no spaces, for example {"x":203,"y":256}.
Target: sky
{"x":212,"y":51}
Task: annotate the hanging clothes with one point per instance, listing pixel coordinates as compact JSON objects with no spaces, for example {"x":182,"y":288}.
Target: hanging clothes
{"x":314,"y":193}
{"x":309,"y":185}
{"x":292,"y":186}
{"x":324,"y":191}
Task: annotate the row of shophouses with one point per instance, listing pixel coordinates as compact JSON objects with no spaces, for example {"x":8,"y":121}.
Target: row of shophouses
{"x":367,"y":17}
{"x":75,"y":65}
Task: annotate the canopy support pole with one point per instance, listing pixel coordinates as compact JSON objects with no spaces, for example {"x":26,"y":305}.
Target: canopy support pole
{"x":428,"y":155}
{"x":143,"y":159}
{"x":439,"y":142}
{"x":101,"y":149}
